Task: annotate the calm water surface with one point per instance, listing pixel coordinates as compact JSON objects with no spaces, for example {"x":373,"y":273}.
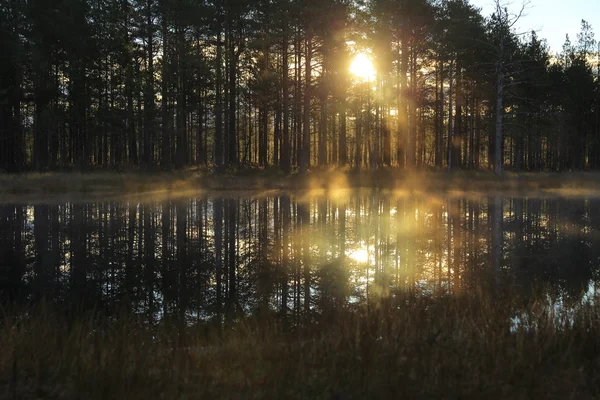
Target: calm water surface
{"x":294,"y":255}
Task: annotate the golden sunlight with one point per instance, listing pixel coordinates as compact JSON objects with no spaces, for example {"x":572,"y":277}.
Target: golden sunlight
{"x":362,"y":67}
{"x":360,"y":255}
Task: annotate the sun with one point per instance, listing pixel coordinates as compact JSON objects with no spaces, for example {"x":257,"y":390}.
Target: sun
{"x":360,"y":255}
{"x":362,"y":67}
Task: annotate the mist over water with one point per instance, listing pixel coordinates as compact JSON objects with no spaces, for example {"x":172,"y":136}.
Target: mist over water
{"x":295,"y":256}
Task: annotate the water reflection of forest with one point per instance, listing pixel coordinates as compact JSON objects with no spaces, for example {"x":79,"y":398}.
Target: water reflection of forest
{"x":203,"y":258}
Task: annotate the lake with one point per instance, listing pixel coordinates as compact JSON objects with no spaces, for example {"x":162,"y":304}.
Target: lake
{"x":296,"y":256}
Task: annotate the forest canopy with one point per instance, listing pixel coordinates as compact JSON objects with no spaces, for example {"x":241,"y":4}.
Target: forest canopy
{"x":292,"y":84}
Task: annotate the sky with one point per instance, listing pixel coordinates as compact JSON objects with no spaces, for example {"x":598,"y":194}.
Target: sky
{"x":552,"y":19}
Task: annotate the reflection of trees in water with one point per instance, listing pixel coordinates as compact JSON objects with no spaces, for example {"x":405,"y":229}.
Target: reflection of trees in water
{"x":553,"y":243}
{"x":221,"y":258}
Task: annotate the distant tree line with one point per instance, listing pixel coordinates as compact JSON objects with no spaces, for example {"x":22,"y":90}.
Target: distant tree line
{"x":235,"y":83}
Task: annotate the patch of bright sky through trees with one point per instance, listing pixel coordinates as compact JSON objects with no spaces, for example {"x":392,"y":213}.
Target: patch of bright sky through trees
{"x":551,"y":19}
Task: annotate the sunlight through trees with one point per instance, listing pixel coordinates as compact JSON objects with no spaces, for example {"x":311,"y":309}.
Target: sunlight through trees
{"x":362,"y":67}
{"x":172,"y":84}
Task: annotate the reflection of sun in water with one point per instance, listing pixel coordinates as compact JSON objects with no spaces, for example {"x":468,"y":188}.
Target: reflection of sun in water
{"x":362,"y":67}
{"x":360,"y":255}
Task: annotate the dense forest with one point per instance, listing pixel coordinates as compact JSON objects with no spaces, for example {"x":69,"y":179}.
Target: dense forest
{"x":240,"y":83}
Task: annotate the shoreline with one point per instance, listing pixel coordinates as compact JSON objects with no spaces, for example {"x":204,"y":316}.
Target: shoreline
{"x":33,"y":187}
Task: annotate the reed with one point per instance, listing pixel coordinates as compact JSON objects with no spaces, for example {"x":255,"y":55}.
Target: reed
{"x":410,"y":347}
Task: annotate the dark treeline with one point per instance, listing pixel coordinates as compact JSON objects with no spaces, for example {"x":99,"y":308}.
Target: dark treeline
{"x":234,"y":83}
{"x":211,"y":258}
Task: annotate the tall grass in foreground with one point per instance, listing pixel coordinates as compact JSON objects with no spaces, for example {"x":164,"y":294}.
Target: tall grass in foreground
{"x":448,"y":347}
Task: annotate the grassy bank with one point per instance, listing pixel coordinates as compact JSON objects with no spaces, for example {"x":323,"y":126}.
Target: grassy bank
{"x":447,"y":348}
{"x":72,"y":185}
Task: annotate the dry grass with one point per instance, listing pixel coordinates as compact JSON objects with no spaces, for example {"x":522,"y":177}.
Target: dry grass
{"x":444,"y":348}
{"x":74,"y":186}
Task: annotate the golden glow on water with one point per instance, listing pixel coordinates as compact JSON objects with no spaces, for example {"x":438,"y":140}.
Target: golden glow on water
{"x":329,"y":243}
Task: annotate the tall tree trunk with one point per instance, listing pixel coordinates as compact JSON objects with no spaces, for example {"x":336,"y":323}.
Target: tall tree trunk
{"x":458,"y":126}
{"x":450,"y":115}
{"x":149,"y":90}
{"x":218,"y":141}
{"x":132,"y":153}
{"x":285,"y":147}
{"x":412,"y":112}
{"x":232,"y":156}
{"x":305,"y":159}
{"x":201,"y":158}
{"x":41,"y":130}
{"x":17,"y":129}
{"x":343,"y":147}
{"x":323,"y":120}
{"x":498,"y":156}
{"x":326,"y":77}
{"x":277,"y":130}
{"x":181,"y":151}
{"x":477,"y":135}
{"x":165,"y":126}
{"x":403,"y":104}
{"x":297,"y":99}
{"x":200,"y":149}
{"x":263,"y":157}
{"x":359,"y":123}
{"x":439,"y":111}
{"x":471,"y":157}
